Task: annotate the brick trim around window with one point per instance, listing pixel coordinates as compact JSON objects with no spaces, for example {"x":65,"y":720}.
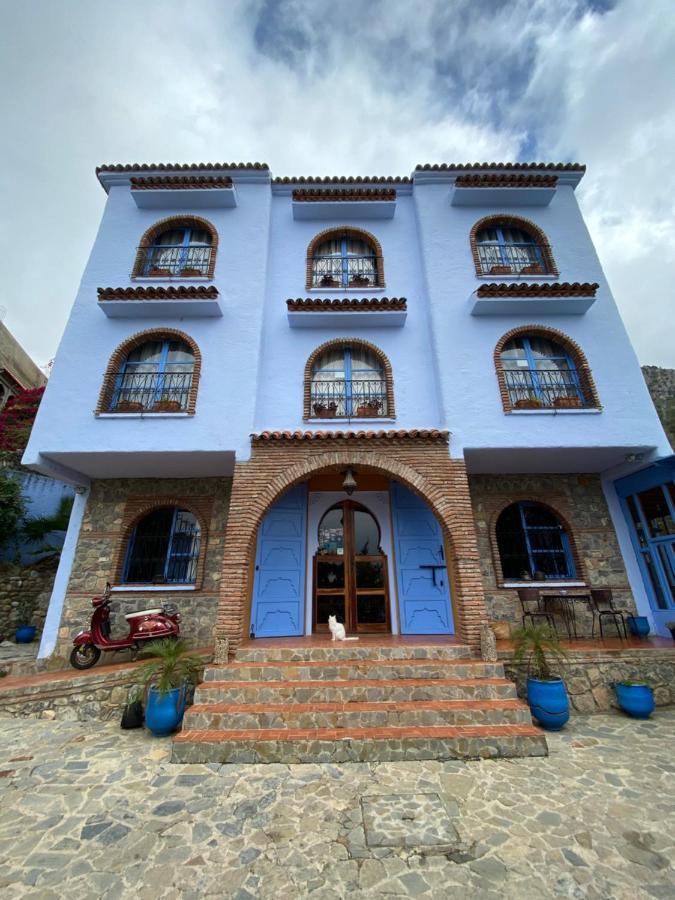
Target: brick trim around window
{"x":136,"y":508}
{"x":345,"y":230}
{"x":126,"y":347}
{"x":515,"y":222}
{"x":348,"y":342}
{"x":502,"y":505}
{"x":575,"y":352}
{"x":166,"y":225}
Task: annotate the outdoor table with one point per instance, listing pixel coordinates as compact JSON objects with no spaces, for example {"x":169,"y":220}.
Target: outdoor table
{"x":566,"y":601}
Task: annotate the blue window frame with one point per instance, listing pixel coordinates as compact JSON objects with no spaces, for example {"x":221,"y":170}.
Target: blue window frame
{"x":348,"y":381}
{"x":540,"y":372}
{"x":648,"y":501}
{"x":155,"y":377}
{"x":184,"y":252}
{"x":163,"y":548}
{"x":533,"y":544}
{"x":504,"y":246}
{"x":344,"y":261}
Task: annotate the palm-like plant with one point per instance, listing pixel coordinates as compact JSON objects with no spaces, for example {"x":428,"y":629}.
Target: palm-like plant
{"x":535,"y":644}
{"x":172,"y":666}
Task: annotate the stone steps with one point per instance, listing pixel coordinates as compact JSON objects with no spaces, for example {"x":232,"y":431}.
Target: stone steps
{"x":364,"y":690}
{"x":353,"y":670}
{"x":232,"y":716}
{"x":324,"y":745}
{"x":254,"y":653}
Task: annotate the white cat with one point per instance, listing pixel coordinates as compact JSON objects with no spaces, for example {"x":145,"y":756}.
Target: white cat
{"x":337,"y":629}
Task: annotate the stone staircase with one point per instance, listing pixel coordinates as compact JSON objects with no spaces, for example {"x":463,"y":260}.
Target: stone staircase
{"x":351,"y":703}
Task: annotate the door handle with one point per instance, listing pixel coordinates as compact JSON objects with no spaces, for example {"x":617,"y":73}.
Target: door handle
{"x":433,"y":573}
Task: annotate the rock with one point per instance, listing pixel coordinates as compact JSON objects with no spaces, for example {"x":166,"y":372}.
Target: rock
{"x":573,"y":857}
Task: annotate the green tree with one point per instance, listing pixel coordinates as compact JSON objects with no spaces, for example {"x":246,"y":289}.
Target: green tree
{"x":12,"y":507}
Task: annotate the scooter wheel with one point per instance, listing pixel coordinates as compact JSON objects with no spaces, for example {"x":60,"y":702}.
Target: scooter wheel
{"x":84,"y":656}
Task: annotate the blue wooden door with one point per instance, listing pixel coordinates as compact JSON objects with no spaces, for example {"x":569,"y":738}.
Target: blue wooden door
{"x":278,"y":608}
{"x":421,"y":572}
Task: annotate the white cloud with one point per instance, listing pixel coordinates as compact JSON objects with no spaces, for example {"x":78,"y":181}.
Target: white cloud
{"x":347,"y":88}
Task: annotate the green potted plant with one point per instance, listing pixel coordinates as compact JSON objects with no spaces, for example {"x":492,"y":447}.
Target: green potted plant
{"x":172,"y":406}
{"x":368,"y":409}
{"x":165,"y":681}
{"x":531,"y":402}
{"x":534,"y":645}
{"x":571,"y":402}
{"x":325,"y":410}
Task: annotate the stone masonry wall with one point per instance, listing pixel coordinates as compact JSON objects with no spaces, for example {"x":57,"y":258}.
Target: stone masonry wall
{"x":580,"y":503}
{"x":111,"y":510}
{"x":25,"y":584}
{"x":661,"y":386}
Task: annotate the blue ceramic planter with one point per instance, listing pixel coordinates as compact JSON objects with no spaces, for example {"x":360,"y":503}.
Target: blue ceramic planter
{"x":638,"y":626}
{"x":635,"y":699}
{"x":164,"y":712}
{"x":548,"y":702}
{"x":25,"y":634}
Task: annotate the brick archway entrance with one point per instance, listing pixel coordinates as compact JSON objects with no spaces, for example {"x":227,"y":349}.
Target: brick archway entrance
{"x":279,"y":460}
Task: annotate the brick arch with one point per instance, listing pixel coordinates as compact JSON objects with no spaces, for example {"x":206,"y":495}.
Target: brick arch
{"x":358,"y":234}
{"x":166,"y":225}
{"x":562,"y":518}
{"x":250,"y":503}
{"x":138,"y":512}
{"x":126,"y":347}
{"x":526,"y":225}
{"x":352,"y":342}
{"x":576,"y":354}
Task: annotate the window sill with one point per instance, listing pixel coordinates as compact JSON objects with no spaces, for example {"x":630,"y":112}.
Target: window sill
{"x":151,"y":279}
{"x":347,"y":290}
{"x":314,"y":420}
{"x":554,"y":412}
{"x":144,"y":415}
{"x":541,"y":584}
{"x":139,"y":588}
{"x":496,"y":276}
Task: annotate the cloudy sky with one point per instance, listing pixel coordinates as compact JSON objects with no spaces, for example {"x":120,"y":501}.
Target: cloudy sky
{"x":335,"y":87}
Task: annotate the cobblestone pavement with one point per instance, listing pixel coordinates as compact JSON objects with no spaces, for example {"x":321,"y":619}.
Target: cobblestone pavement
{"x":92,"y":811}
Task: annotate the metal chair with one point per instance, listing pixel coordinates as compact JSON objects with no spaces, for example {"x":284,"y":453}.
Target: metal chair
{"x":602,"y":605}
{"x":530,"y":604}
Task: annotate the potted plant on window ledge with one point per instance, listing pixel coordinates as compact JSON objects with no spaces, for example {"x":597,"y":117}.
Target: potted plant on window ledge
{"x":190,"y":272}
{"x":172,"y":406}
{"x":500,"y":270}
{"x":546,"y":693}
{"x":325,"y":410}
{"x":528,"y":403}
{"x":329,"y":281}
{"x":369,"y":409}
{"x":125,"y":406}
{"x":359,"y":281}
{"x":571,"y":402}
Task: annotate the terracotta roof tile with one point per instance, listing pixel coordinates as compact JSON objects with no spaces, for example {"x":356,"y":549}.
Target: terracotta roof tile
{"x":459,"y":167}
{"x":313,"y":304}
{"x":359,"y":194}
{"x":432,"y":435}
{"x":180,"y":182}
{"x":177,"y":167}
{"x":342,"y":179}
{"x":189,"y":292}
{"x":552,"y":289}
{"x":506,"y":180}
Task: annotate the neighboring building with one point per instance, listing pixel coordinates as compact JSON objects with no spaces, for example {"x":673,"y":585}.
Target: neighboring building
{"x":17,"y":369}
{"x":450,"y":345}
{"x":661,"y":386}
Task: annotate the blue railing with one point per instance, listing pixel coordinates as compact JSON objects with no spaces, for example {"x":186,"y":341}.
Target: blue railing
{"x":356,"y":398}
{"x":555,"y":388}
{"x":140,"y":391}
{"x":344,"y":271}
{"x":511,"y":259}
{"x":176,"y":261}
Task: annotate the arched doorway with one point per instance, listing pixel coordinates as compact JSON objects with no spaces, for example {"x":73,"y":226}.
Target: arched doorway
{"x":350,"y":571}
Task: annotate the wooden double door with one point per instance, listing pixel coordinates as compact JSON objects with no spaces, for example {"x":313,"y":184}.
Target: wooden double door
{"x":350,"y":571}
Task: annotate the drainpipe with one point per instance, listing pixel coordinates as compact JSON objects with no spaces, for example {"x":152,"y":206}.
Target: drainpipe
{"x":50,"y":632}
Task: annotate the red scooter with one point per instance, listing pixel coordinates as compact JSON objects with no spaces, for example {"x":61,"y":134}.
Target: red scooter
{"x":144,"y":625}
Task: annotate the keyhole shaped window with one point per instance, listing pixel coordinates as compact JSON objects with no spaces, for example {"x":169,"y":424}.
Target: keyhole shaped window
{"x":533,"y":544}
{"x":504,"y":249}
{"x":348,"y":381}
{"x":155,"y":377}
{"x":184,"y":252}
{"x":540,"y":372}
{"x":163,"y":548}
{"x":344,"y":261}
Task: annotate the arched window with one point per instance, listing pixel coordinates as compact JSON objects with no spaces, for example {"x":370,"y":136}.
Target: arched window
{"x":156,"y":376}
{"x":182,"y":247}
{"x":539,"y":372}
{"x":533,"y":544}
{"x":163,"y":548}
{"x":511,"y":247}
{"x":344,"y":259}
{"x":349,"y":379}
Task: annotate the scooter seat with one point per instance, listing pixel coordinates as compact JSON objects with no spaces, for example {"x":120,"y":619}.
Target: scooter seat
{"x":143,"y":612}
